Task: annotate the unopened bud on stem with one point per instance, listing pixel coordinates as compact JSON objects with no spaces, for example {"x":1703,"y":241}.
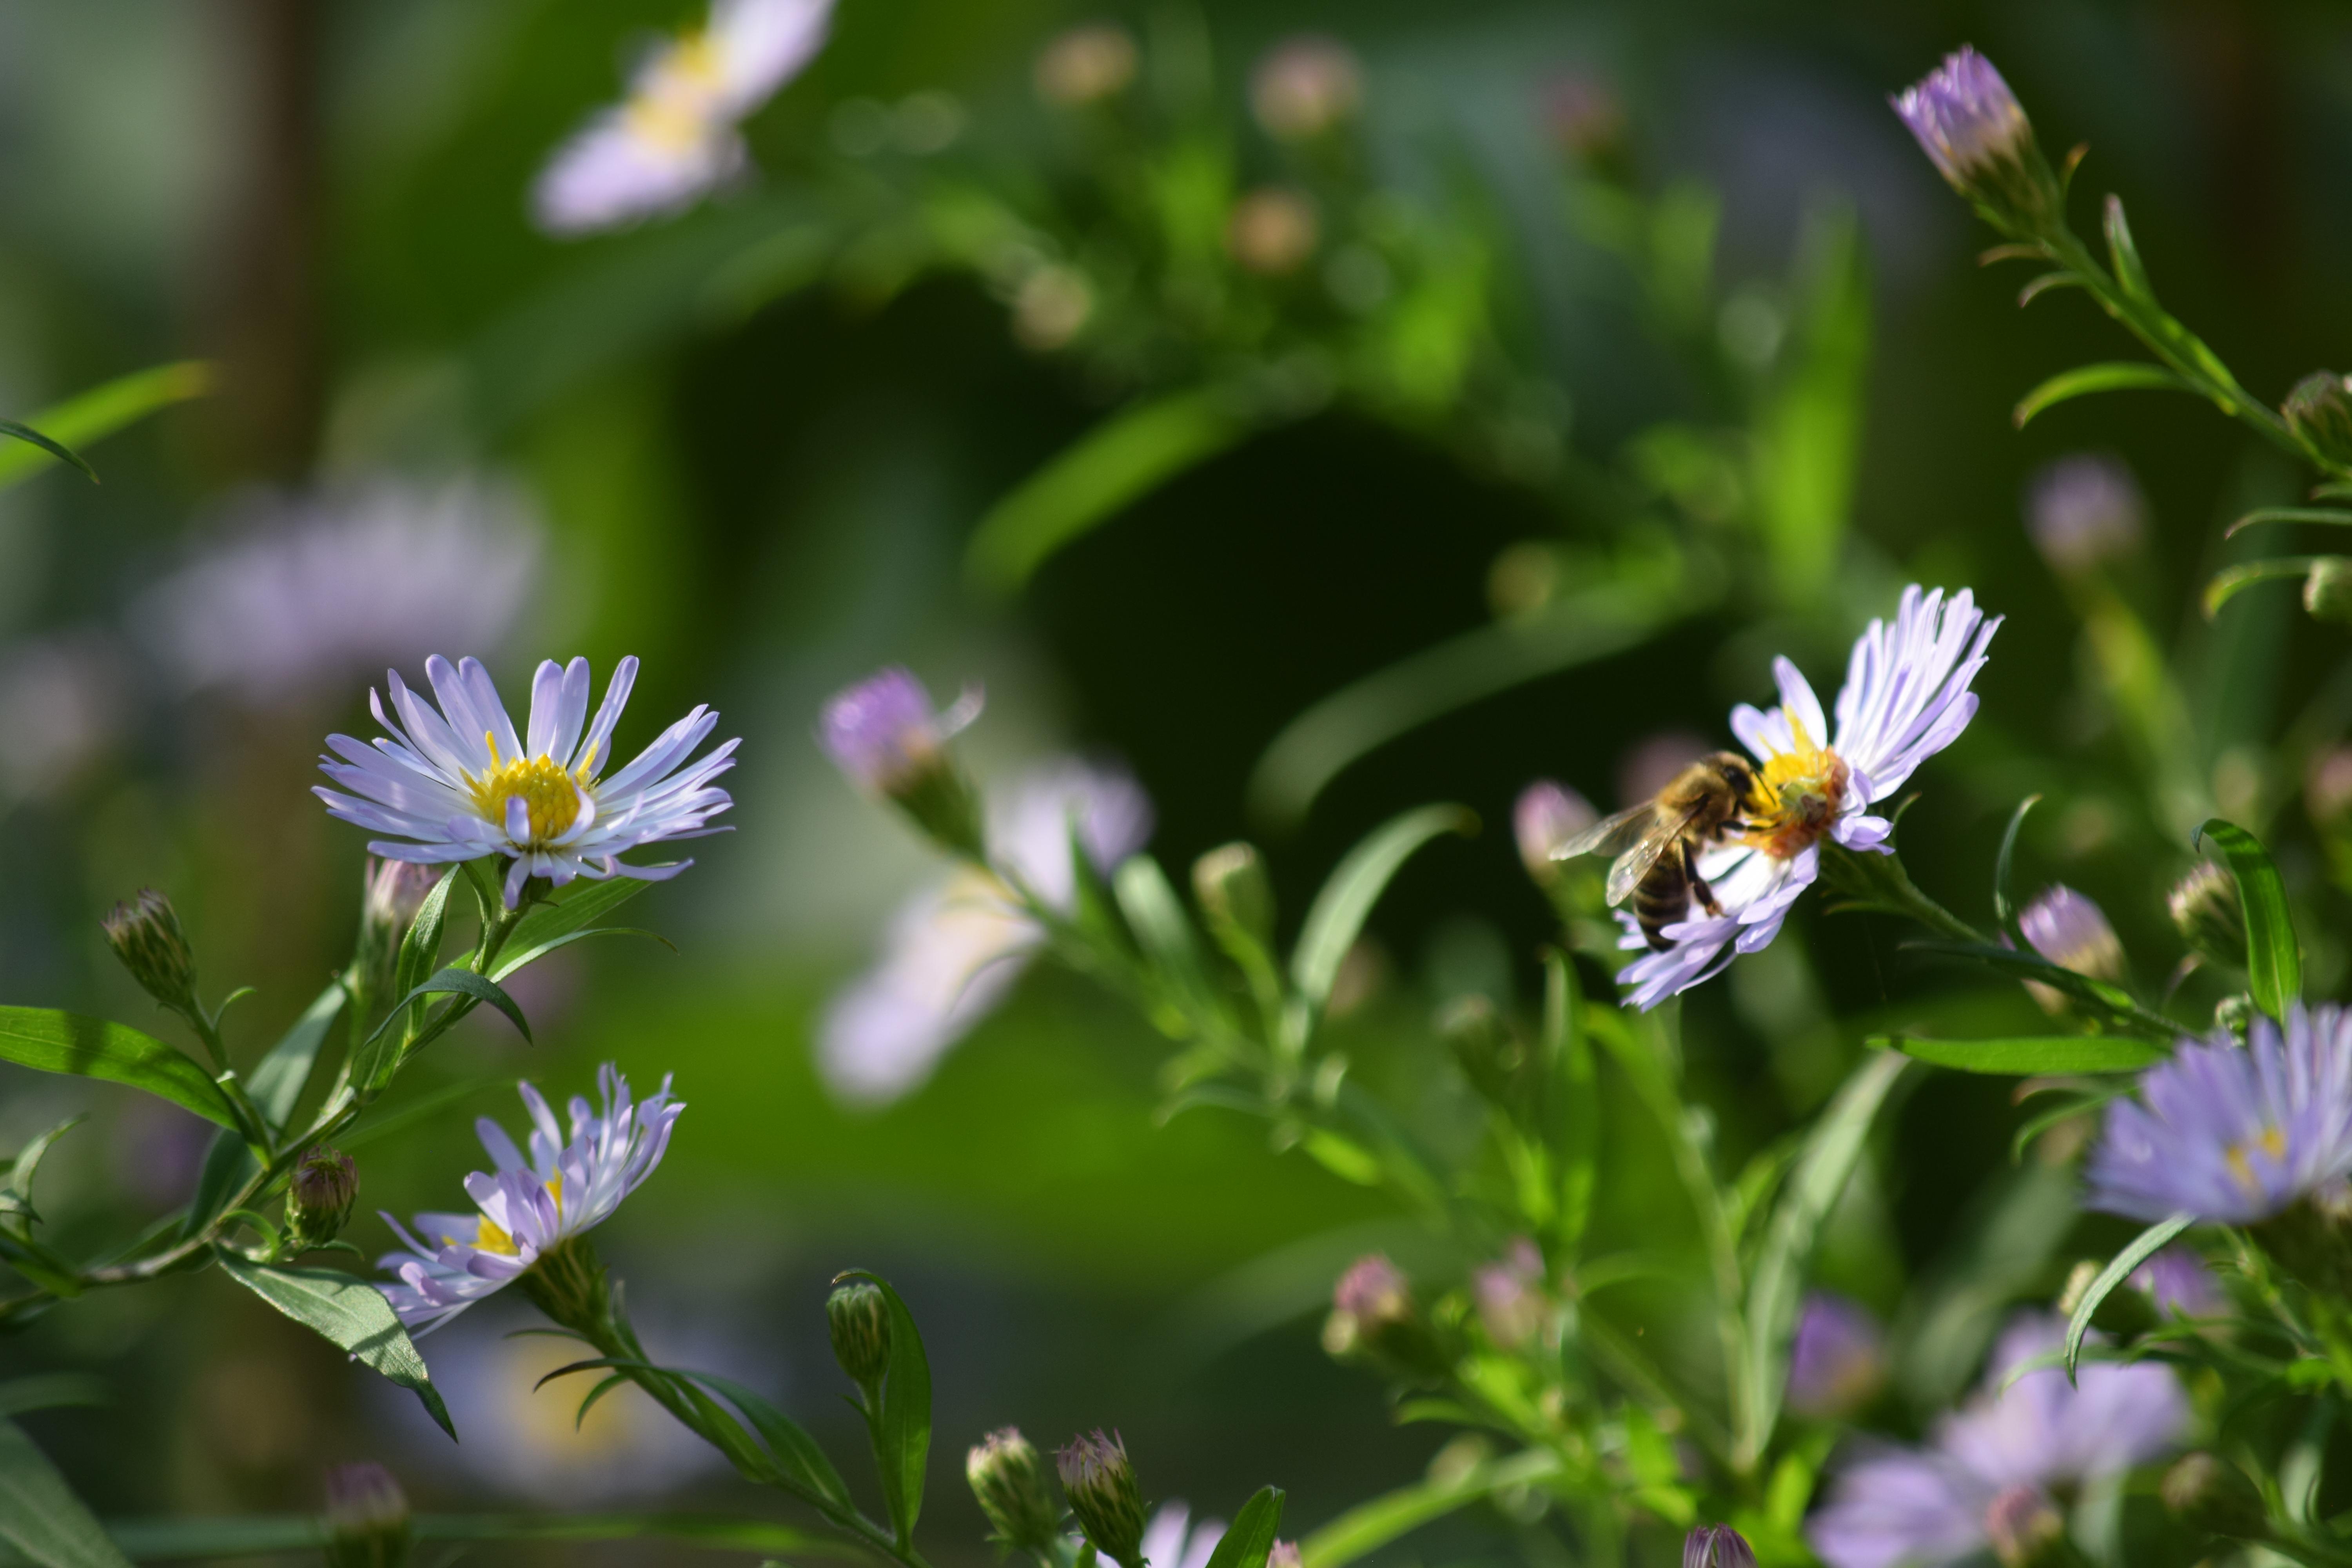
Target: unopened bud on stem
{"x":2328,"y":590}
{"x":1235,"y":893}
{"x":1717,"y":1546}
{"x":145,"y":935}
{"x":2206,"y":913}
{"x":886,"y":735}
{"x":1104,"y":1495}
{"x":1975,"y":132}
{"x":858,"y":1321}
{"x":1009,"y":1481}
{"x":367,"y":1517}
{"x":2319,"y":410}
{"x":319,"y":1198}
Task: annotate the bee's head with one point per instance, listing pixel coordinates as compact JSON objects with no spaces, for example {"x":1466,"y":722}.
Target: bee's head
{"x":1735,"y":771}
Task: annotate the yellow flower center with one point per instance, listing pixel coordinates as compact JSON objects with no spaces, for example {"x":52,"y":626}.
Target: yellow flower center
{"x":549,"y":792}
{"x":672,"y":109}
{"x":1797,"y":795}
{"x":2271,"y":1143}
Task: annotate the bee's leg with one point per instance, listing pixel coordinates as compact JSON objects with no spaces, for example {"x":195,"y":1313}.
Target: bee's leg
{"x":1699,"y":889}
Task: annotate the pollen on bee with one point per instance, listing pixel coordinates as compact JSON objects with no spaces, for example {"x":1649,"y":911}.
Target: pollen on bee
{"x":1798,"y":793}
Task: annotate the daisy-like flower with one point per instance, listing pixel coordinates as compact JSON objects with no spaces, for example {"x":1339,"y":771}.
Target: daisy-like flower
{"x":956,"y":947}
{"x":1966,"y":119}
{"x":1905,"y":697}
{"x":2233,"y":1134}
{"x":1838,"y":1362}
{"x":1988,"y":1467}
{"x":460,"y":784}
{"x":528,"y":1208}
{"x":674,"y":139}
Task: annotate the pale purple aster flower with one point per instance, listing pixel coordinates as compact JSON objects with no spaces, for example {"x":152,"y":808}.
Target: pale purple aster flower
{"x":1837,"y":1363}
{"x":2177,"y":1280}
{"x":2072,"y":931}
{"x":955,"y":948}
{"x":2233,"y":1134}
{"x":568,"y":1185}
{"x":1717,"y":1546}
{"x":674,"y":139}
{"x":2084,"y":509}
{"x":1509,"y":1294}
{"x":1173,"y":1540}
{"x":1547,"y":816}
{"x":462,"y":783}
{"x":1914,"y":1508}
{"x":1905,"y":697}
{"x":885,"y":728}
{"x":1964,"y":117}
{"x":311,"y":593}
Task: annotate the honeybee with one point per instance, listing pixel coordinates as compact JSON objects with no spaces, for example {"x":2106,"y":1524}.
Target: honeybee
{"x":1657,"y":842}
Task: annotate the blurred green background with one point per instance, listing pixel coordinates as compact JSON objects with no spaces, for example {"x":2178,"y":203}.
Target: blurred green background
{"x":764,"y":491}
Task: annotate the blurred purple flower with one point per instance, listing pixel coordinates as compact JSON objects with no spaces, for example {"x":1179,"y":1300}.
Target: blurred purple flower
{"x":62,"y":706}
{"x":1921,"y":1507}
{"x":954,"y":949}
{"x":674,"y":139}
{"x":2084,"y":509}
{"x":314,"y":592}
{"x":1509,"y":1294}
{"x":885,"y":728}
{"x":2233,"y":1134}
{"x":1838,"y":1362}
{"x":2073,"y":932}
{"x":1964,"y":117}
{"x":2178,"y":1281}
{"x":1547,"y":816}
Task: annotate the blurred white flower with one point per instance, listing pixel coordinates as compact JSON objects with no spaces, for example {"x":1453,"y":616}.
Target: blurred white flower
{"x":955,"y":947}
{"x":1173,"y":1541}
{"x":674,"y":140}
{"x":61,"y":707}
{"x":316,"y":591}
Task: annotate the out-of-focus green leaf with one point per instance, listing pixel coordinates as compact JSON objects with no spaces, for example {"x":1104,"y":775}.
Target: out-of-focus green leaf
{"x":1319,"y":744}
{"x":2004,"y":905}
{"x":2122,"y":375}
{"x":1156,"y":915}
{"x":1576,"y":1100}
{"x":40,"y":1518}
{"x":1125,"y":458}
{"x":102,"y":410}
{"x":2123,"y":254}
{"x":1369,"y":1526}
{"x":52,"y":1391}
{"x":2027,"y":1056}
{"x":1340,"y":911}
{"x":902,"y":1429}
{"x":1808,"y":429}
{"x":2289,"y":514}
{"x":1777,"y":1288}
{"x":1250,"y":1537}
{"x":513,"y":959}
{"x":58,"y":449}
{"x":58,"y":1042}
{"x":348,"y":1312}
{"x":2144,"y":1247}
{"x":2273,"y":957}
{"x":16,"y":1193}
{"x":2227,"y":586}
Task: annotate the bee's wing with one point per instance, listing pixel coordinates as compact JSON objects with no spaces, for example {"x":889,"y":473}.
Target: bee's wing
{"x":1663,"y":834}
{"x":1610,"y":834}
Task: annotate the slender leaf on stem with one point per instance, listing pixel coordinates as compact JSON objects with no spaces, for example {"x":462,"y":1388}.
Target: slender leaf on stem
{"x":1156,"y":915}
{"x":2122,"y":375}
{"x":2004,"y":903}
{"x":58,"y":449}
{"x":1340,"y":911}
{"x":583,"y":904}
{"x":1369,"y":1526}
{"x":52,"y":1391}
{"x":2227,"y":586}
{"x":1831,"y":1152}
{"x":348,"y":1312}
{"x":902,"y":1428}
{"x":458,"y":982}
{"x":2273,"y":958}
{"x":1575,"y":1106}
{"x":57,"y":1042}
{"x":40,"y":1518}
{"x":1250,"y":1537}
{"x":2122,"y":254}
{"x":796,"y":1453}
{"x":2334,"y":515}
{"x":102,"y":410}
{"x":276,"y":1087}
{"x":2143,"y":1247}
{"x":375,"y":1059}
{"x":2028,"y":1056}
{"x":513,"y":958}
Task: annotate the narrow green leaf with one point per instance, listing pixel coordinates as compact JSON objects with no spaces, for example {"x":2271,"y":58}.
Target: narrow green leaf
{"x":507,"y":964}
{"x":40,"y":1518}
{"x":2123,"y":254}
{"x":92,"y":1048}
{"x":2084,"y":380}
{"x":2144,"y":1247}
{"x":58,"y":449}
{"x":1369,"y":1526}
{"x":2226,"y":585}
{"x":902,"y":1432}
{"x":2273,"y":958}
{"x":2044,"y":285}
{"x":375,"y":1058}
{"x":581,"y":904}
{"x":2029,"y":1056}
{"x":348,"y":1312}
{"x":16,"y":1193}
{"x":52,"y":1391}
{"x":1156,"y":915}
{"x":461,"y":983}
{"x":1117,"y":463}
{"x":794,"y":1448}
{"x":1576,"y":1109}
{"x":1832,"y":1152}
{"x":2335,"y":516}
{"x":1250,"y":1537}
{"x":1340,"y":911}
{"x":102,"y":410}
{"x":2004,"y":903}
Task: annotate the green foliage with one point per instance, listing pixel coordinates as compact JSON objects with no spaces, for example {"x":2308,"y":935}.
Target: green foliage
{"x":2274,"y":956}
{"x":40,"y":1518}
{"x":51,"y":1041}
{"x":901,"y":1426}
{"x":2024,"y":1056}
{"x":348,"y":1312}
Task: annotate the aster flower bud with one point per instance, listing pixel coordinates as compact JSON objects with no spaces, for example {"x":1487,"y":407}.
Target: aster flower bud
{"x":1235,"y":893}
{"x":2328,"y":590}
{"x":1104,"y":1495}
{"x":2073,"y":932}
{"x":367,"y":1517}
{"x":2084,"y":511}
{"x":1509,"y":1294}
{"x":2233,"y":1014}
{"x":2319,"y":410}
{"x":887,"y":736}
{"x":2024,"y":1527}
{"x":391,"y":891}
{"x":1088,"y":64}
{"x":1374,"y":1317}
{"x":2205,"y":1492}
{"x":319,"y":1198}
{"x":1717,"y":1546}
{"x":2206,"y":913}
{"x":1009,"y":1481}
{"x":1272,"y":231}
{"x":1305,"y":87}
{"x":1285,"y":1555}
{"x":1973,"y":128}
{"x":146,"y":937}
{"x":1546,"y":817}
{"x":858,"y":1320}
